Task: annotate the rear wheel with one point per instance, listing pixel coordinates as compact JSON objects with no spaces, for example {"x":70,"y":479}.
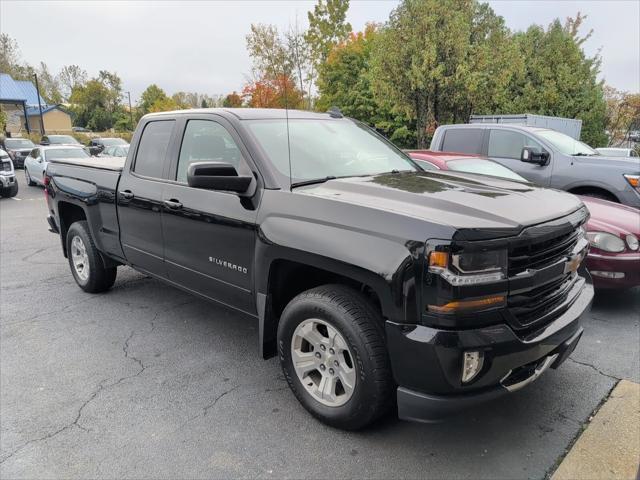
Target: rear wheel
{"x":85,"y":261}
{"x":333,"y":355}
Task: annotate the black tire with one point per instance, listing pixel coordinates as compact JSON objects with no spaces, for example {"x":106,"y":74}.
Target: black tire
{"x":12,"y":191}
{"x":601,"y":196}
{"x":27,"y":177}
{"x":99,"y":277}
{"x":353,"y":316}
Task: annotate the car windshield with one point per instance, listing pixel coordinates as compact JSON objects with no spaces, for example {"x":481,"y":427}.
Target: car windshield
{"x":57,"y":153}
{"x":58,"y":139}
{"x":565,"y":144}
{"x":483,"y":167}
{"x":18,"y":143}
{"x":109,"y":142}
{"x":326,"y":148}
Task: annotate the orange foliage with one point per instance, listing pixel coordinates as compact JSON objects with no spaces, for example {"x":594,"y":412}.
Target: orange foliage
{"x":270,"y":92}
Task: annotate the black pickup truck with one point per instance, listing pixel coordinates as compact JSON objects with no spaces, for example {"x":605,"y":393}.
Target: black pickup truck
{"x":375,"y":282}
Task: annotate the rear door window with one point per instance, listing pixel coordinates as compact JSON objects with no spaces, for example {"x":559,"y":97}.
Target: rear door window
{"x":152,"y":150}
{"x":463,"y":140}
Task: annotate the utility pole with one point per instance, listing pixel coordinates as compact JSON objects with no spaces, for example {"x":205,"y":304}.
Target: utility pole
{"x":130,"y":111}
{"x":39,"y":106}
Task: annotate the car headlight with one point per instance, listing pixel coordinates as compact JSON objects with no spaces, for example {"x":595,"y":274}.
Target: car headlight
{"x":606,"y":242}
{"x":632,"y":242}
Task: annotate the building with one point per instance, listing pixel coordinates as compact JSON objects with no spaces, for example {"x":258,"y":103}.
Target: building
{"x":19,"y":100}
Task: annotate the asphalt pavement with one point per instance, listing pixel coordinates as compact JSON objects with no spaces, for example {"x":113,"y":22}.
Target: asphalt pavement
{"x":146,"y":381}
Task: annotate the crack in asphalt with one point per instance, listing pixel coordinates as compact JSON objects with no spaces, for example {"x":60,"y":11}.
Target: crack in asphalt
{"x":596,"y":369}
{"x":101,"y":387}
{"x":206,"y":408}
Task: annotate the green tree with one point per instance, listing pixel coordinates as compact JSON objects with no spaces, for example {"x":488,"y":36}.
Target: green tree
{"x":438,"y":60}
{"x":152,"y":95}
{"x":89,"y":100}
{"x":344,"y":81}
{"x":327,"y":28}
{"x":558,"y":79}
{"x":70,"y":77}
{"x":49,"y":85}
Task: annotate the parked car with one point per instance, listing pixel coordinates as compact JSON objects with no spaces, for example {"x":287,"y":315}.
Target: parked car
{"x":617,"y":152}
{"x":613,"y":232}
{"x":58,"y":140}
{"x":97,"y":145}
{"x":37,"y":161}
{"x":18,"y":149}
{"x":8,"y":183}
{"x":115,"y":151}
{"x":547,"y":158}
{"x":375,"y":282}
{"x":80,"y":129}
{"x":613,"y":229}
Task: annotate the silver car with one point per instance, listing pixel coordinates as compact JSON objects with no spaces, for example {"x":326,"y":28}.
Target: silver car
{"x":35,"y":165}
{"x":547,"y":158}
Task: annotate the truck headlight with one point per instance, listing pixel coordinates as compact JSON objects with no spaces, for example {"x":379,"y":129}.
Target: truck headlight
{"x":469,"y":268}
{"x":606,"y":242}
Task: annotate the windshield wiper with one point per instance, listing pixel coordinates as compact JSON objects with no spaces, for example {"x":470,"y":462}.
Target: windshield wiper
{"x":313,"y":181}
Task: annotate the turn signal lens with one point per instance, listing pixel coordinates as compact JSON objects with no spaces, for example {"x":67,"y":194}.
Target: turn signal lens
{"x":463,"y":305}
{"x":439,"y":259}
{"x":634,"y":180}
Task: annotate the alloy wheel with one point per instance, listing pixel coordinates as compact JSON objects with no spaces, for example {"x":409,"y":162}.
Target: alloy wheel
{"x":80,"y":258}
{"x":323,"y":362}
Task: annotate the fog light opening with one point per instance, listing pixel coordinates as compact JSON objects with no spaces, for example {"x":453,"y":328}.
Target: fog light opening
{"x":599,"y":273}
{"x":471,"y":365}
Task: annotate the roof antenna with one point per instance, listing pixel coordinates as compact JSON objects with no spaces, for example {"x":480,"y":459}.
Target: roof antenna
{"x":286,"y":113}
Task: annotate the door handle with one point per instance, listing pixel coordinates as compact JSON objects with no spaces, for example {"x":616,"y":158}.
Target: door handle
{"x":173,"y":204}
{"x":127,"y":194}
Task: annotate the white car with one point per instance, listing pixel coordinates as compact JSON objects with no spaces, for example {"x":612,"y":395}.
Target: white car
{"x":35,"y":165}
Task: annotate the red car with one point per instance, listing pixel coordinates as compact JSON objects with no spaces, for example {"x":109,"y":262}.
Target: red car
{"x":613,"y":230}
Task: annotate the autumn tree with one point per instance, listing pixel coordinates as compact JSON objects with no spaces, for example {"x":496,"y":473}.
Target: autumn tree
{"x":623,"y":115}
{"x":436,"y":60}
{"x":233,"y":100}
{"x":272,"y":92}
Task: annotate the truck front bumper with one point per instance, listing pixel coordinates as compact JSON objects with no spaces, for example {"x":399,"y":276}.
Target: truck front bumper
{"x":427,"y":362}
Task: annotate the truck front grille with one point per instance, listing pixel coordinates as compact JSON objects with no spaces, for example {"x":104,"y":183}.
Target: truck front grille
{"x":539,"y":254}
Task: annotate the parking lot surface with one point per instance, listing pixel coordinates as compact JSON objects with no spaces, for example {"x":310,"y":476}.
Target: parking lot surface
{"x":146,"y":381}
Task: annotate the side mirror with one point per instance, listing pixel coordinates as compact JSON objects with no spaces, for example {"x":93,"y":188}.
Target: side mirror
{"x":217,"y":176}
{"x":531,"y":155}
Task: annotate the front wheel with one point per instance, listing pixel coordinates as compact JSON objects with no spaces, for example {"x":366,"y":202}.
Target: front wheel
{"x":333,"y":355}
{"x":86,"y":264}
{"x":11,"y":191}
{"x":28,"y":178}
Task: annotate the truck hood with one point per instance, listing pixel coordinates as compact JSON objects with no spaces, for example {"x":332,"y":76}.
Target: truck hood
{"x":476,"y":206}
{"x":622,"y":164}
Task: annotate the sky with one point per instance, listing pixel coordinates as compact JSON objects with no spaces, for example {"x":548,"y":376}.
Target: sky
{"x":200,"y":45}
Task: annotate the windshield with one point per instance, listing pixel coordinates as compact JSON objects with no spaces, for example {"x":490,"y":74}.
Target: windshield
{"x":483,"y":167}
{"x":57,"y":153}
{"x":566,"y":144}
{"x":326,"y":147}
{"x":108,"y":142}
{"x":18,"y":143}
{"x":53,"y":139}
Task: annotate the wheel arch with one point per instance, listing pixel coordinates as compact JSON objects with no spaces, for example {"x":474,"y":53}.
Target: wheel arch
{"x":586,"y":189}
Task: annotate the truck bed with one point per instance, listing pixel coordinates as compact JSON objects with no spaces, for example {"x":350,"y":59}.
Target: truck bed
{"x":103,"y":163}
